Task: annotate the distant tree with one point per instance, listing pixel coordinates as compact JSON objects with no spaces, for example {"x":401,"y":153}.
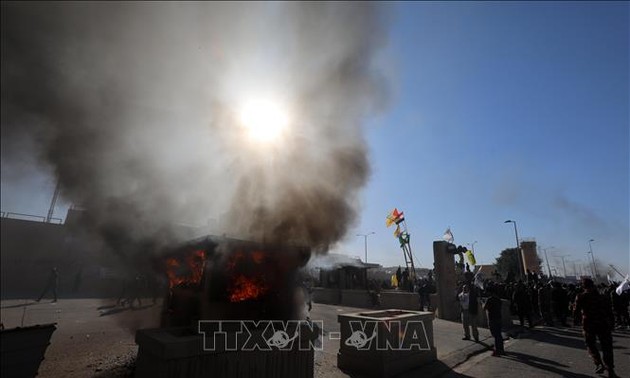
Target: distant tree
{"x":507,"y":263}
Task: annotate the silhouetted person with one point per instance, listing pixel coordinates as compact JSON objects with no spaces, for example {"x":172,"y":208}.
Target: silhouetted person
{"x":77,"y":281}
{"x":51,"y":284}
{"x":597,"y":323}
{"x":559,"y":303}
{"x":620,"y":306}
{"x":469,"y":307}
{"x":468,"y":275}
{"x":399,"y":276}
{"x":523,"y":305}
{"x":493,"y":311}
{"x":544,"y":304}
{"x":137,"y":291}
{"x":405,"y":279}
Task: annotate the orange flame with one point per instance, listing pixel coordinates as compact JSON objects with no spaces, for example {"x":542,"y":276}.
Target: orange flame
{"x":194,"y":262}
{"x":244,"y":288}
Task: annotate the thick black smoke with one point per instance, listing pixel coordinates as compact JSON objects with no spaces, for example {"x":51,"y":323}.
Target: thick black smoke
{"x":135,"y":105}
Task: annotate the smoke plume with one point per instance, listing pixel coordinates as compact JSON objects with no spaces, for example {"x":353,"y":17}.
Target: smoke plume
{"x":135,"y":105}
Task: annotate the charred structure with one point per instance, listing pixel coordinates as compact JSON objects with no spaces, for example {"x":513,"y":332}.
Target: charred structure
{"x":228,"y":279}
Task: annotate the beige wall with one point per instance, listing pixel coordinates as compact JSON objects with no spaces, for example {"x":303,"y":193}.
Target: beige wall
{"x":530,"y":256}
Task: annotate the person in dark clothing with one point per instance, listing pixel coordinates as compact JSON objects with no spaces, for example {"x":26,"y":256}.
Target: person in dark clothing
{"x":405,"y":280}
{"x":423,"y":291}
{"x":559,"y":303}
{"x":51,"y":284}
{"x":493,"y":311}
{"x":399,"y":276}
{"x":544,"y":304}
{"x":469,"y":307}
{"x":522,"y":302}
{"x":597,"y":323}
{"x":620,"y":306}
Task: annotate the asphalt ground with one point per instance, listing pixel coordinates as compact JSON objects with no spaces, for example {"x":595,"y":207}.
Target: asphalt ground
{"x":95,"y":337}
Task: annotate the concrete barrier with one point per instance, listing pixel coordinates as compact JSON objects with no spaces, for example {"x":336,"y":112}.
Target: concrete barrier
{"x":396,"y":341}
{"x":362,"y":299}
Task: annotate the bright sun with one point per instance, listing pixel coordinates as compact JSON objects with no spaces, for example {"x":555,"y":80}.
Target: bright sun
{"x":263,"y":120}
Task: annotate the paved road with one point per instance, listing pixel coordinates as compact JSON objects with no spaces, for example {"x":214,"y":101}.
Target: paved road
{"x":96,"y":338}
{"x":546,"y":352}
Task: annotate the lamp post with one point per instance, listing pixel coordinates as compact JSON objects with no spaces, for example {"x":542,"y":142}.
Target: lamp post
{"x":365,"y":237}
{"x":547,"y":260}
{"x":590,"y":248}
{"x":518,"y":250}
{"x":564,"y":267}
{"x":472,"y":246}
{"x":575,"y":271}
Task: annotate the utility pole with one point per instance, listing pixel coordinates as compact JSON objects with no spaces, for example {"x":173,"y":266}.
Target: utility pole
{"x":365,"y":237}
{"x":564,"y":267}
{"x":590,"y":248}
{"x":547,"y":260}
{"x":518,"y":250}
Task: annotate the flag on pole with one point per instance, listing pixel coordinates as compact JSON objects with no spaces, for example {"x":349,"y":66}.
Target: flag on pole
{"x":471,"y":257}
{"x":448,"y":235}
{"x":625,"y":285}
{"x":394,"y":281}
{"x":403,"y":238}
{"x":394,"y":217}
{"x":478,"y":281}
{"x":397,"y":231}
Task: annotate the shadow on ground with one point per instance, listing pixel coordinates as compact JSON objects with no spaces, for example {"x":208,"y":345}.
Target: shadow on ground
{"x":20,"y":305}
{"x":116,"y":309}
{"x":543,"y":364}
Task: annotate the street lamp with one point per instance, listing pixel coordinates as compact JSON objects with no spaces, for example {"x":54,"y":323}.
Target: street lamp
{"x":472,"y":246}
{"x":564,"y":267}
{"x":590,"y":248}
{"x":518,"y":249}
{"x":365,"y":237}
{"x":547,"y":260}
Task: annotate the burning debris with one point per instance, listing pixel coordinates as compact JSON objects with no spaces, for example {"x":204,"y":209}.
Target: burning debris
{"x":221,"y":278}
{"x":186,"y":271}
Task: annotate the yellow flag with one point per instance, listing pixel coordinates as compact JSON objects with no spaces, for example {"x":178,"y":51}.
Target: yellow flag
{"x":471,"y":257}
{"x":394,"y":281}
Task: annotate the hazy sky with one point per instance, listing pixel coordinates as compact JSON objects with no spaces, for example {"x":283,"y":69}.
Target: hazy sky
{"x":504,"y":111}
{"x":498,"y":111}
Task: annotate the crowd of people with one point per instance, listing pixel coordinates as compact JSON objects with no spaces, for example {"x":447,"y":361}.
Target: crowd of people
{"x":598,"y":309}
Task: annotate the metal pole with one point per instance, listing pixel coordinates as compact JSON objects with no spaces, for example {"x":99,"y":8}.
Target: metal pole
{"x":547,"y":260}
{"x":590,"y":247}
{"x":365,"y":237}
{"x":618,"y":272}
{"x":564,"y":267}
{"x":53,"y":202}
{"x":518,"y":250}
